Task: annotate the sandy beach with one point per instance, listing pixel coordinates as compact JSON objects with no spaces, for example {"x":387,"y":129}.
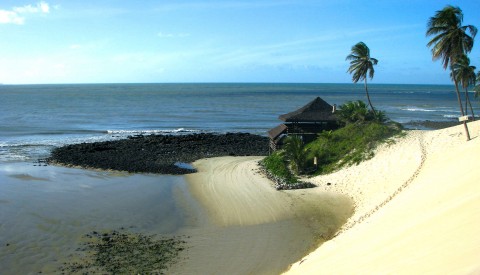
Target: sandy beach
{"x":416,"y":206}
{"x":411,"y":209}
{"x":254,"y":228}
{"x":417,"y":209}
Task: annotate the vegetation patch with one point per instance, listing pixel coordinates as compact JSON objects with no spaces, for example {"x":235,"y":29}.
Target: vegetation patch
{"x":276,"y":169}
{"x":119,"y":252}
{"x":362,"y":131}
{"x":349,"y":145}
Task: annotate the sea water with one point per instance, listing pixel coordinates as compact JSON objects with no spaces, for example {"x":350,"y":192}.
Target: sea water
{"x":36,"y":118}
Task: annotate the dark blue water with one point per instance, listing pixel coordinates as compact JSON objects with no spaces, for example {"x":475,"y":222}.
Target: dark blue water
{"x":36,"y":118}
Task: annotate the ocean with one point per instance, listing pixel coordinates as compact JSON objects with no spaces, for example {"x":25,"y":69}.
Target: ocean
{"x":36,"y":118}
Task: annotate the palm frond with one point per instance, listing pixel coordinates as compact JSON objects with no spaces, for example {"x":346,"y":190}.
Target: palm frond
{"x":361,"y":63}
{"x":450,"y":39}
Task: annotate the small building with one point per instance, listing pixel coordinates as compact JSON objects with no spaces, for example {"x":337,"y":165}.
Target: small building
{"x":306,"y":122}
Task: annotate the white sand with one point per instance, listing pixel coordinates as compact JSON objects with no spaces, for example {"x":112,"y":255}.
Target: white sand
{"x":235,"y":192}
{"x":255,"y":229}
{"x":418,"y":209}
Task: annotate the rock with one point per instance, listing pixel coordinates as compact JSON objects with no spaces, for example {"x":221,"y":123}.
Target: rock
{"x":158,"y":153}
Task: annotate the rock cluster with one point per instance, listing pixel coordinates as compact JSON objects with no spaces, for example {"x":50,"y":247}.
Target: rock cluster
{"x":123,"y":252}
{"x":158,"y":153}
{"x":430,"y":125}
{"x":282,"y":184}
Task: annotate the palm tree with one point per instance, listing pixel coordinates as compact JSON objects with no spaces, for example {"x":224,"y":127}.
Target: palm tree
{"x":353,"y":112}
{"x":295,"y":153}
{"x":465,"y":75}
{"x":361,"y":64}
{"x":450,"y":41}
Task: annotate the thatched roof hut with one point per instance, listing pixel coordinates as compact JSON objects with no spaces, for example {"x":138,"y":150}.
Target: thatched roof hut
{"x":316,"y":110}
{"x":306,"y":122}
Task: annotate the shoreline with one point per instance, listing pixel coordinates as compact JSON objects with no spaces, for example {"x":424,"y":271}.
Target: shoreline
{"x":241,"y":201}
{"x":415,"y":202}
{"x":253,"y":223}
{"x":171,"y":154}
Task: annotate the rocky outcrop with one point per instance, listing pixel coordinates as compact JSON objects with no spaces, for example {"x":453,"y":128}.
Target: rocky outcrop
{"x":158,"y":153}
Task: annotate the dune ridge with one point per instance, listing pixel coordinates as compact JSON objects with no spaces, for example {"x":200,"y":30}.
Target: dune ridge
{"x":417,"y":209}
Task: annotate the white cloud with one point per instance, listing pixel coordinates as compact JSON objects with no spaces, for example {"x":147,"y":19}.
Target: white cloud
{"x":40,"y":7}
{"x":16,"y":15}
{"x":10,"y":17}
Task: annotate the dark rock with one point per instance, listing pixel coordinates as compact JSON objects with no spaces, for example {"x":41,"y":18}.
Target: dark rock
{"x":158,"y":153}
{"x":430,"y":125}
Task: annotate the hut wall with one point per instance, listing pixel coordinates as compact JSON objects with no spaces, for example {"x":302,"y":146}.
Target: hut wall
{"x":310,"y":131}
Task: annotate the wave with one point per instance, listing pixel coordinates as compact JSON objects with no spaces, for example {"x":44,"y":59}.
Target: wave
{"x":414,"y":109}
{"x":147,"y":132}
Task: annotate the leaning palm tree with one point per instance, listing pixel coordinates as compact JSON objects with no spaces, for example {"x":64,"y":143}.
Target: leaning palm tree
{"x":450,"y":41}
{"x":465,"y":75}
{"x":361,"y":64}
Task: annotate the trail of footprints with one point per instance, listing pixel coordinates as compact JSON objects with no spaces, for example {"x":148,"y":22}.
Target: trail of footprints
{"x":398,"y":191}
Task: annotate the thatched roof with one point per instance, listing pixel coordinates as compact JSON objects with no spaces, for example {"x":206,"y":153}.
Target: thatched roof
{"x":316,"y":111}
{"x":277,"y":131}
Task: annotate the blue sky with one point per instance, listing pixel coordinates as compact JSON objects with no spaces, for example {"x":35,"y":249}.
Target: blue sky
{"x":218,"y":41}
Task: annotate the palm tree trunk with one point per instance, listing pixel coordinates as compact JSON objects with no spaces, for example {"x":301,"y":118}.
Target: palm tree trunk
{"x":461,"y":107}
{"x":467,"y":100}
{"x":368,"y":97}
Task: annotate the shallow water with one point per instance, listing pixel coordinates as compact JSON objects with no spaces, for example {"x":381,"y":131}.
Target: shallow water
{"x":45,"y":212}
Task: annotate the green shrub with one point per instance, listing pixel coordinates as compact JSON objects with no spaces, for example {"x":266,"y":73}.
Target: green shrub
{"x":295,"y":153}
{"x":278,"y":167}
{"x":349,"y":145}
{"x":358,"y":112}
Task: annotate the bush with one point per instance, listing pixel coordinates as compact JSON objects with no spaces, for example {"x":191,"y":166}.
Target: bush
{"x":349,"y":145}
{"x":358,"y":112}
{"x":277,"y":167}
{"x":295,"y":153}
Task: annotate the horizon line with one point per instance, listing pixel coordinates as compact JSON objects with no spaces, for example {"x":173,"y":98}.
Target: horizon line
{"x":219,"y":82}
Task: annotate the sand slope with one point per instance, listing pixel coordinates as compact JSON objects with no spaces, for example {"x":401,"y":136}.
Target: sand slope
{"x":254,"y":229}
{"x":418,"y":209}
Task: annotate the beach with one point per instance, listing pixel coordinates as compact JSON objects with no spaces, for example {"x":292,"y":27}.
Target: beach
{"x":254,"y":228}
{"x":425,"y":221}
{"x":230,"y":215}
{"x":412,"y":208}
{"x":416,"y":205}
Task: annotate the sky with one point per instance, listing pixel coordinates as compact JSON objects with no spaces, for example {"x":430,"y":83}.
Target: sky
{"x":284,"y":41}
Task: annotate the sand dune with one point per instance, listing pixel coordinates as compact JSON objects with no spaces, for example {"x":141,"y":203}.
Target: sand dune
{"x":417,"y":209}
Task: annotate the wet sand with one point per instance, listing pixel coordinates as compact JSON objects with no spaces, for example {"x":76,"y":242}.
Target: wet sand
{"x":256,"y":229}
{"x":46,"y":211}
